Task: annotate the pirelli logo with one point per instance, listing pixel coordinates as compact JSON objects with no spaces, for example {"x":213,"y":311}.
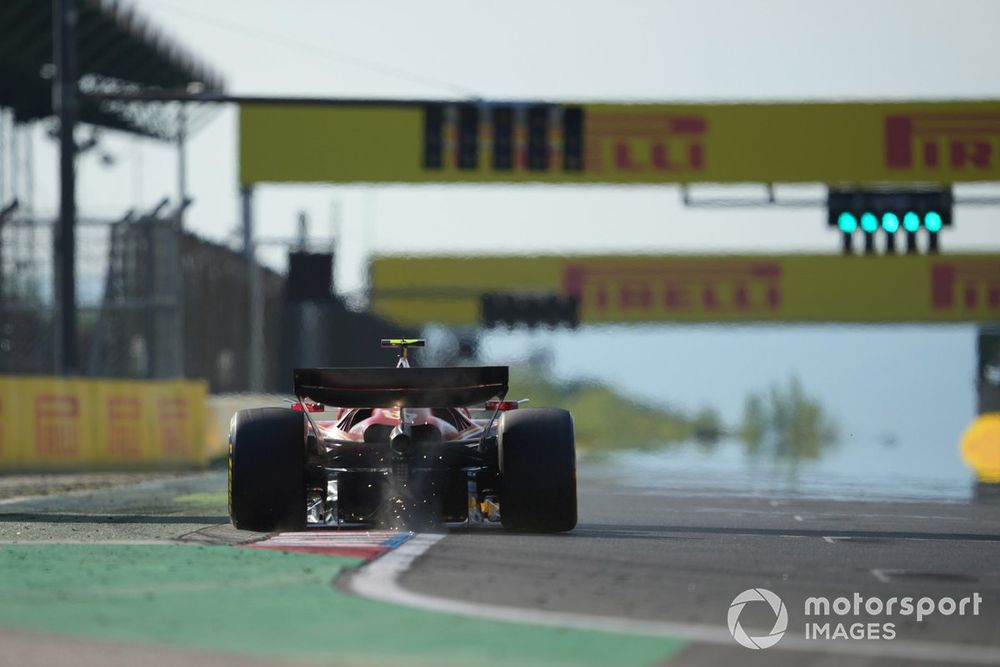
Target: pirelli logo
{"x":57,"y":425}
{"x":971,"y":287}
{"x":711,"y":289}
{"x":943,"y":141}
{"x":125,"y":425}
{"x":175,"y":414}
{"x":630,"y":143}
{"x":609,"y":289}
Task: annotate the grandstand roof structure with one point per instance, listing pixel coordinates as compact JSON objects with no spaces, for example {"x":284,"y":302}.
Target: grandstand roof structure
{"x":119,"y":52}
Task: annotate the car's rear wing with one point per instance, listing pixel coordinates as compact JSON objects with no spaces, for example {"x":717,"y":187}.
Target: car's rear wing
{"x":401,"y":387}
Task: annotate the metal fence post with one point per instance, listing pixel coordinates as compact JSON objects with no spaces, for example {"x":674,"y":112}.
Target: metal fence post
{"x":64,"y":93}
{"x":255,"y":295}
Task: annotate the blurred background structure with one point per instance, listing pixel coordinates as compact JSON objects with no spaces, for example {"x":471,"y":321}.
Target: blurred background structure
{"x":153,"y":300}
{"x":166,"y":282}
{"x":53,"y":54}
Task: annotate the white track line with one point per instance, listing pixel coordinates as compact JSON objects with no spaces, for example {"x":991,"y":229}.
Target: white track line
{"x":20,"y":499}
{"x":379,"y":580}
{"x":882,"y":575}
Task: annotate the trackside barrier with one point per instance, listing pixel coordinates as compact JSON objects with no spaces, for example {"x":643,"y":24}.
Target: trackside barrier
{"x":57,"y":423}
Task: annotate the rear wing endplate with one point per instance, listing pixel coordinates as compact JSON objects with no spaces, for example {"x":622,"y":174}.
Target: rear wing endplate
{"x":401,"y":387}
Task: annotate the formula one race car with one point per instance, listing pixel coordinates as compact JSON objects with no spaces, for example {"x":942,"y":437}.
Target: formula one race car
{"x":405,"y":447}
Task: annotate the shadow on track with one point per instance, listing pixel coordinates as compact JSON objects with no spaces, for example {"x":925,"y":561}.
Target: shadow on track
{"x":41,"y":517}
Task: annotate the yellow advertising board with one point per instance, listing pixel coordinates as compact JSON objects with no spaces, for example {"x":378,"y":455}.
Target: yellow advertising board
{"x":179,"y":425}
{"x":81,"y":423}
{"x":53,"y":422}
{"x":483,"y":142}
{"x":122,"y":430}
{"x":690,"y":288}
{"x":8,"y":434}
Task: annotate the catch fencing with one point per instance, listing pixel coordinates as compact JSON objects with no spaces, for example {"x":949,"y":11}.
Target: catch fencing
{"x":155,"y":302}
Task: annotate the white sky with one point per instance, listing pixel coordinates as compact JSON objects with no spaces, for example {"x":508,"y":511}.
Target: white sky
{"x":576,"y":49}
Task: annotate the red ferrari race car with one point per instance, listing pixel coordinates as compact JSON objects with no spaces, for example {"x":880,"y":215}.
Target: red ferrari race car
{"x":404,"y":447}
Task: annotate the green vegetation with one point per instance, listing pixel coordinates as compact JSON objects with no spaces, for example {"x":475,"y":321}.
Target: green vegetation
{"x":785,"y":424}
{"x":635,"y":424}
{"x":204,"y":502}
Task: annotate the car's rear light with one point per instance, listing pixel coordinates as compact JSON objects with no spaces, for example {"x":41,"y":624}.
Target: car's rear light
{"x":310,"y":407}
{"x":501,"y":405}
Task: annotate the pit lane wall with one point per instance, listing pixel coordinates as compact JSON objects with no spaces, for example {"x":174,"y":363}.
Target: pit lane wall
{"x":49,"y":423}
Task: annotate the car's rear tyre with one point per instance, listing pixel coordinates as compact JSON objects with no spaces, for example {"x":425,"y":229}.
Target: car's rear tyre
{"x":537,"y":470}
{"x":267,"y":488}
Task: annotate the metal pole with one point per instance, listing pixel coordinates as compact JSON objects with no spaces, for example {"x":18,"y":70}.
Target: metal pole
{"x":15,"y":158}
{"x":64,"y":102}
{"x":150,"y":293}
{"x":3,"y":199}
{"x":29,"y":180}
{"x":29,"y":201}
{"x":255,"y":310}
{"x":3,"y":156}
{"x":181,"y":163}
{"x":179,"y":369}
{"x":303,"y":231}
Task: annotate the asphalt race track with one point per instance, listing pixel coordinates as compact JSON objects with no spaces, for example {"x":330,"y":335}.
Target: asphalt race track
{"x":151,"y":572}
{"x":683,"y":560}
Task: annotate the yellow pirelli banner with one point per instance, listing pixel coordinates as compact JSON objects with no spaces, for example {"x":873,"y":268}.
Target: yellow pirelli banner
{"x":689,"y":288}
{"x":836,"y":143}
{"x":81,"y":423}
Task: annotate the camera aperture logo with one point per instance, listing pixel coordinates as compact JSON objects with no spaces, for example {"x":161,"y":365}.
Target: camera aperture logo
{"x":780,"y":618}
{"x":853,"y":618}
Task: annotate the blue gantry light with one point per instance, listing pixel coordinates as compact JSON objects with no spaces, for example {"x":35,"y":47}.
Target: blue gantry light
{"x":890,"y":222}
{"x":888,"y":209}
{"x":847,"y":222}
{"x":869,"y":222}
{"x":933,"y":221}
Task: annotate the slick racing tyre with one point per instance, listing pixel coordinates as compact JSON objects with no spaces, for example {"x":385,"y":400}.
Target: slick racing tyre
{"x":267,"y":470}
{"x":537,"y":471}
